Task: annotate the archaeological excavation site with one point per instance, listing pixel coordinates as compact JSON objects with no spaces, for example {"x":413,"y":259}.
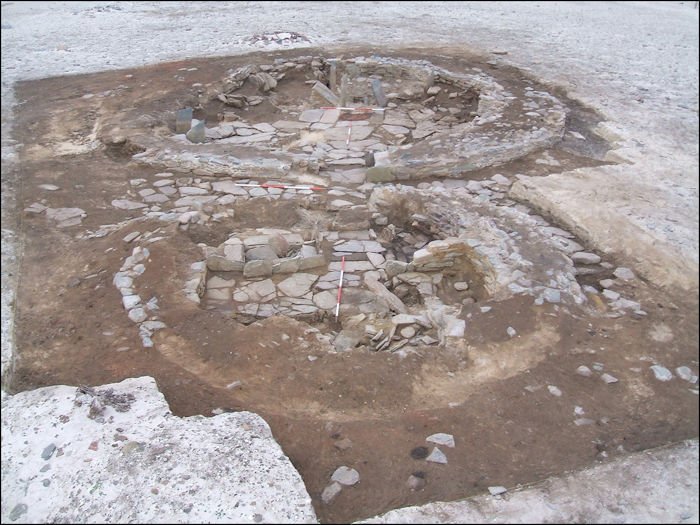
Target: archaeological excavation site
{"x":342,"y":241}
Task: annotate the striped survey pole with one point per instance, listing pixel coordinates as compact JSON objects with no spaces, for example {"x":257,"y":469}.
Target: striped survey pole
{"x":281,"y":186}
{"x":340,"y":287}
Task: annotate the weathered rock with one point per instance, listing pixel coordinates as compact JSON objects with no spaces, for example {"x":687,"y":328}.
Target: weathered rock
{"x":495,"y":491}
{"x":261,"y":253}
{"x":437,"y":456}
{"x":380,"y":174}
{"x":415,"y":481}
{"x":380,"y":290}
{"x":125,"y":204}
{"x":220,"y":263}
{"x":325,"y":300}
{"x":624,"y":273}
{"x":554,"y":390}
{"x":257,"y":269}
{"x":156,"y":441}
{"x":686,"y":374}
{"x":297,"y":285}
{"x":585,"y":258}
{"x":584,"y":371}
{"x":345,"y":476}
{"x":607,"y":378}
{"x":446,"y":440}
{"x":197,"y":133}
{"x":661,"y":373}
{"x":183,"y":120}
{"x":330,"y":492}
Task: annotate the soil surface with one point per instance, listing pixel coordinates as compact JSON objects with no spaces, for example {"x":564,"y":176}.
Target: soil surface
{"x":367,"y":410}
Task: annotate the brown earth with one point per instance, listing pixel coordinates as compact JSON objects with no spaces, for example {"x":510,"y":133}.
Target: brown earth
{"x":72,"y":329}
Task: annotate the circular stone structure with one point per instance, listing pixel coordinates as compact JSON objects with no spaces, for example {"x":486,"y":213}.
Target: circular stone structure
{"x":199,"y":214}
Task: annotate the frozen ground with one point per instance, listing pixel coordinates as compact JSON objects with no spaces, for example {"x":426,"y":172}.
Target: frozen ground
{"x":636,"y":62}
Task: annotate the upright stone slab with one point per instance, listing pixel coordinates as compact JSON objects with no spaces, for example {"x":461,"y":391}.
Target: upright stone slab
{"x":333,"y":76}
{"x":343,"y":91}
{"x":379,"y":92}
{"x":197,"y":134}
{"x":325,"y":93}
{"x":183,"y":120}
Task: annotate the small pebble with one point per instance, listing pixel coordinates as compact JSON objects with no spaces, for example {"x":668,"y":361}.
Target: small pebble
{"x":554,"y":390}
{"x":511,"y":331}
{"x":608,"y":378}
{"x":495,"y":491}
{"x":584,"y":371}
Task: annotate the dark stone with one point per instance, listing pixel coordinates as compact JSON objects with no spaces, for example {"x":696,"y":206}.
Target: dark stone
{"x":420,"y":453}
{"x":48,"y":451}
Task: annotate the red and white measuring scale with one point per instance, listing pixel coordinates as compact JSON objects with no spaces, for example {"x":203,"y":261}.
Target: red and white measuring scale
{"x":281,"y":186}
{"x":359,"y":110}
{"x":340,"y":287}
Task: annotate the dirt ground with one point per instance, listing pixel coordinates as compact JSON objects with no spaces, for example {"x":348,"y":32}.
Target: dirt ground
{"x":491,"y":394}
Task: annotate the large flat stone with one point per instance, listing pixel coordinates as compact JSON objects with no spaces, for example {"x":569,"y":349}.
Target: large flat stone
{"x":229,"y":457}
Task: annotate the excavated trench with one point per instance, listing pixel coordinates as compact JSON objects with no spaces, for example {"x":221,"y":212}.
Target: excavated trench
{"x":199,"y":215}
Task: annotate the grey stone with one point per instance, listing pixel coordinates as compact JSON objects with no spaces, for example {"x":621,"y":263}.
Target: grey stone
{"x":235,"y":253}
{"x":437,"y":456}
{"x":584,"y":371}
{"x":130,"y":237}
{"x":609,"y":294}
{"x":394,"y":268}
{"x":297,"y":285}
{"x":261,"y":253}
{"x":585,"y":258}
{"x":661,"y":373}
{"x":48,"y":451}
{"x":330,"y":492}
{"x":379,"y":174}
{"x":325,"y":300}
{"x":311,"y":115}
{"x":461,"y":286}
{"x":346,"y":340}
{"x":17,"y":511}
{"x":608,"y":378}
{"x":345,"y":476}
{"x":261,"y":290}
{"x":551,"y":295}
{"x":378,"y":91}
{"x":415,"y":482}
{"x":126,"y":204}
{"x":446,"y":440}
{"x":130,"y":301}
{"x":495,"y":491}
{"x":581,"y":421}
{"x":183,"y":120}
{"x":307,"y":263}
{"x":686,"y":374}
{"x":380,"y":290}
{"x":158,"y":198}
{"x":624,"y":273}
{"x":408,"y":332}
{"x":197,"y":134}
{"x":554,"y":390}
{"x":137,"y":315}
{"x":220,"y":263}
{"x":278,"y":244}
{"x":511,"y":331}
{"x":287,"y":265}
{"x":257,"y":269}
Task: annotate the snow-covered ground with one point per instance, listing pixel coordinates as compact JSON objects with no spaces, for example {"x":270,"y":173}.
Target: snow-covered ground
{"x":636,"y":62}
